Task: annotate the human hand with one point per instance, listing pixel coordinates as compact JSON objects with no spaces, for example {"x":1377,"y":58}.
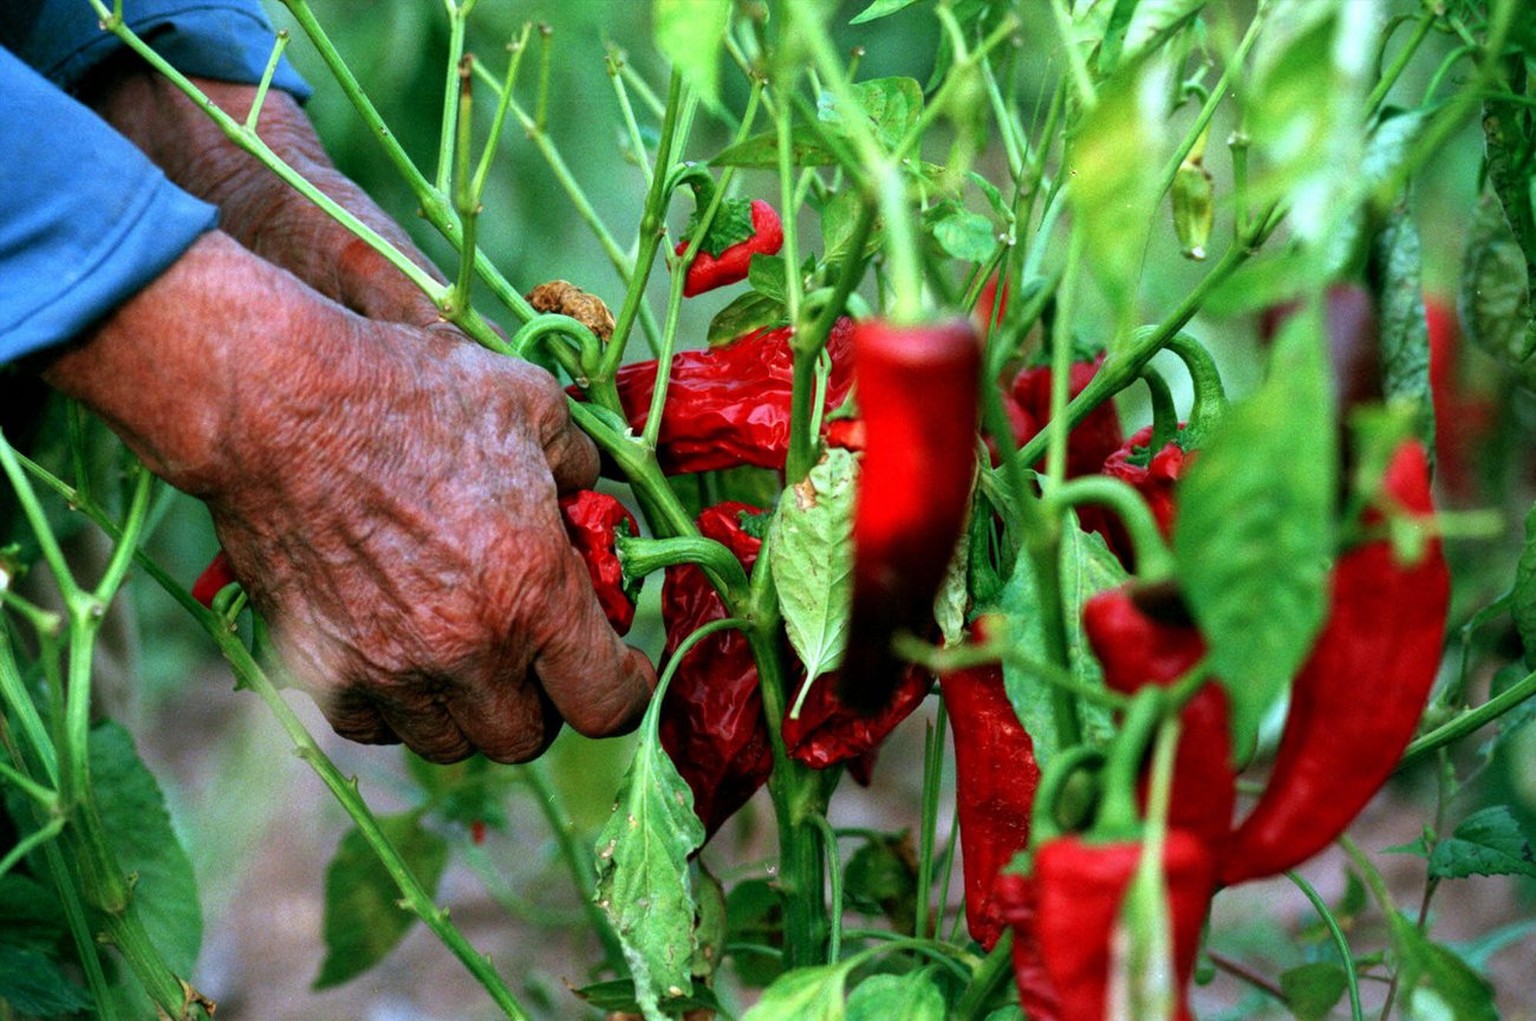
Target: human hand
{"x":387,"y":495}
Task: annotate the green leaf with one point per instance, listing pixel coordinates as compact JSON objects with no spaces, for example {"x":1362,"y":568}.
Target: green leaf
{"x":762,"y":151}
{"x":713,"y":929}
{"x":1489,"y":842}
{"x":642,"y":871}
{"x":1404,"y":332}
{"x":891,"y":105}
{"x":617,"y":996}
{"x":1311,"y":990}
{"x":1523,"y":596}
{"x":1254,"y":532}
{"x":805,"y":994}
{"x":1389,"y":145}
{"x":839,"y":220}
{"x":1430,"y":971}
{"x":1011,"y":1012}
{"x":1306,"y":110}
{"x":880,"y":9}
{"x":909,"y":997}
{"x":1087,"y":568}
{"x":954,"y":597}
{"x":766,"y":275}
{"x":364,"y":920}
{"x":1113,"y":162}
{"x":34,"y":985}
{"x":1495,"y":289}
{"x":691,"y":34}
{"x":139,"y":831}
{"x":1479,"y":951}
{"x":745,"y":314}
{"x":755,"y":918}
{"x":881,"y":879}
{"x":966,"y":235}
{"x":30,"y":913}
{"x":810,"y":553}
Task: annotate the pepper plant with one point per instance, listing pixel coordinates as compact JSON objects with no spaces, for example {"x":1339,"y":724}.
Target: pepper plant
{"x":893,"y":476}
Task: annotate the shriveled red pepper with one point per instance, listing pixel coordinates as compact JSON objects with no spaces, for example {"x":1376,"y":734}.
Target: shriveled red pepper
{"x":1142,"y":636}
{"x":1095,"y":438}
{"x":730,"y":406}
{"x":218,"y":574}
{"x":593,"y":521}
{"x":740,"y":230}
{"x":996,"y":777}
{"x":918,"y":397}
{"x":828,"y":732}
{"x":1357,"y":701}
{"x":1151,"y":473}
{"x":1079,"y":889}
{"x":712,"y":724}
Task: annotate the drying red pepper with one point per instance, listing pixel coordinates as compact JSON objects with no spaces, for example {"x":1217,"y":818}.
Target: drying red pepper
{"x":1354,"y":347}
{"x":996,"y":777}
{"x":1357,"y":700}
{"x":218,"y":574}
{"x":740,"y":230}
{"x":828,"y":732}
{"x":730,"y":405}
{"x":1079,"y":888}
{"x":1095,"y":438}
{"x":712,"y":724}
{"x":918,"y":397}
{"x":1142,"y":636}
{"x":593,"y":521}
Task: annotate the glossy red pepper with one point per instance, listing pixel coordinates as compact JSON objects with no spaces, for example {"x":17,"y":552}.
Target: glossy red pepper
{"x":218,"y":574}
{"x":730,"y":406}
{"x":918,"y":398}
{"x":1143,"y":636}
{"x":741,"y":230}
{"x":1357,"y":701}
{"x":712,"y":724}
{"x":1079,"y":890}
{"x":996,"y":777}
{"x":593,"y":521}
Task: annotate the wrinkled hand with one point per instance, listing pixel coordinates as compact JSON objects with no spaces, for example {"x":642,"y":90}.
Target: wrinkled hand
{"x":386,"y":493}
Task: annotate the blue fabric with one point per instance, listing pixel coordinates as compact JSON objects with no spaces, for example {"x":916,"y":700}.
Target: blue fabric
{"x":86,"y":220}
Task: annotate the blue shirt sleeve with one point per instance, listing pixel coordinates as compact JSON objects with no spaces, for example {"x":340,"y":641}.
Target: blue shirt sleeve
{"x":86,"y":219}
{"x":228,"y":40}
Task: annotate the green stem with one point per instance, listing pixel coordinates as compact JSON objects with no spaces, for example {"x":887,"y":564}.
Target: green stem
{"x":835,"y":883}
{"x":1426,"y":21}
{"x":1470,"y":721}
{"x":1165,"y":414}
{"x":1340,"y":941}
{"x":1153,"y":560}
{"x":653,"y":228}
{"x":642,"y":556}
{"x":452,"y":94}
{"x":995,"y":969}
{"x":31,"y":842}
{"x":263,"y":86}
{"x":933,"y":777}
{"x":1058,"y":430}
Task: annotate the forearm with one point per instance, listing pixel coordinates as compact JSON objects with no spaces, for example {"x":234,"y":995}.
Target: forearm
{"x":256,"y":209}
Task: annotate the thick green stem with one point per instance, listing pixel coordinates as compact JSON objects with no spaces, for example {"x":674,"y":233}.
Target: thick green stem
{"x":1469,"y":722}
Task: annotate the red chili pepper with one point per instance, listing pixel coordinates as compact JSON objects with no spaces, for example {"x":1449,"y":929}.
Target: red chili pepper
{"x":740,"y":231}
{"x":1079,"y":888}
{"x":218,"y":574}
{"x":593,"y":521}
{"x":1154,"y":475}
{"x":1354,"y":347}
{"x":996,"y":777}
{"x":1095,"y":438}
{"x":918,"y":397}
{"x":828,"y":732}
{"x":1462,"y":419}
{"x":1016,"y":900}
{"x":712,"y":724}
{"x":1144,"y":636}
{"x":1357,"y":700}
{"x":477,"y":831}
{"x":729,"y":406}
